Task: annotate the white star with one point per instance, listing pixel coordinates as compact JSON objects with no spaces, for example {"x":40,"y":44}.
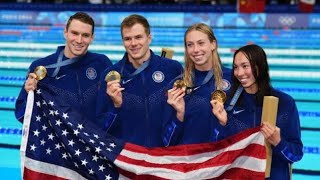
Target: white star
{"x":112,"y":145}
{"x":91,"y":171}
{"x":56,"y":112}
{"x":58,"y":122}
{"x":38,"y":91}
{"x":42,"y":142}
{"x":48,"y":151}
{"x":38,"y":118}
{"x":76,"y":132}
{"x":84,"y":162}
{"x":38,"y":103}
{"x":51,"y":103}
{"x":102,"y":143}
{"x":98,"y":149}
{"x":65,"y":115}
{"x":87,"y":148}
{"x":44,"y":127}
{"x":92,"y":141}
{"x":65,"y":132}
{"x":33,"y":147}
{"x":101,"y":168}
{"x":96,"y":136}
{"x":44,"y":102}
{"x":110,"y":166}
{"x":36,"y":133}
{"x":81,"y":140}
{"x":78,"y":152}
{"x":76,"y":165}
{"x":95,"y":158}
{"x":80,"y":126}
{"x":64,"y":155}
{"x":50,"y":136}
{"x":58,"y":146}
{"x":109,"y":149}
{"x":71,"y":142}
{"x":51,"y":112}
{"x":108,"y":177}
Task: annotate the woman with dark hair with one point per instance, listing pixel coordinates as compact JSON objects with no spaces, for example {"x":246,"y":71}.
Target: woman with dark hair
{"x":251,"y":82}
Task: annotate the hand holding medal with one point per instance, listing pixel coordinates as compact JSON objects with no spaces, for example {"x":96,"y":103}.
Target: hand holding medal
{"x":41,"y":72}
{"x":180,"y":84}
{"x":218,"y":98}
{"x":219,"y":95}
{"x":112,"y":75}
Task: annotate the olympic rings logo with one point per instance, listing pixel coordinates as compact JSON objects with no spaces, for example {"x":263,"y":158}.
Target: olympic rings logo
{"x":287,"y":20}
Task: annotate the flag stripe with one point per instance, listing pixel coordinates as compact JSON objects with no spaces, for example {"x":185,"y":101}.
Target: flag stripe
{"x":256,"y":167}
{"x":30,"y":174}
{"x":185,"y":154}
{"x":190,"y":165}
{"x":35,"y":167}
{"x":249,"y":154}
{"x":193,"y":148}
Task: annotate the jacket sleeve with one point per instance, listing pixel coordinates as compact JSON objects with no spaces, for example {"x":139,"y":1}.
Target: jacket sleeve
{"x":172,"y":128}
{"x":233,"y":126}
{"x":106,"y":113}
{"x":290,"y":148}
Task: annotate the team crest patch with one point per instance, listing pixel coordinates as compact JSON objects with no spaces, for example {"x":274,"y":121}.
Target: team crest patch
{"x":158,"y":76}
{"x":226,"y":85}
{"x":91,"y":73}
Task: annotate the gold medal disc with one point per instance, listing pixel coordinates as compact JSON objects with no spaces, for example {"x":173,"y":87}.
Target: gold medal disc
{"x":180,"y":84}
{"x":219,"y":95}
{"x":112,"y":75}
{"x":41,"y":72}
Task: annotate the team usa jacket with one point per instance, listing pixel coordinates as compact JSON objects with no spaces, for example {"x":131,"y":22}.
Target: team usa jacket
{"x":140,"y":118}
{"x":77,"y":83}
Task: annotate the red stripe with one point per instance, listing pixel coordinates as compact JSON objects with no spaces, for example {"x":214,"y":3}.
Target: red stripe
{"x":180,"y":150}
{"x":31,"y":175}
{"x":238,"y":173}
{"x":133,"y":176}
{"x":224,"y":158}
{"x":234,"y":173}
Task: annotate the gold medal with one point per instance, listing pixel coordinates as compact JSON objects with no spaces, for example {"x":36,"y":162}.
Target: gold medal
{"x":180,"y":84}
{"x":41,"y":72}
{"x":112,"y":75}
{"x":219,"y":95}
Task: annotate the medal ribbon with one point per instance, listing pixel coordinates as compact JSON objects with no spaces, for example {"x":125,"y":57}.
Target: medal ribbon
{"x":205,"y":80}
{"x":61,"y":63}
{"x":235,"y":98}
{"x":137,"y":71}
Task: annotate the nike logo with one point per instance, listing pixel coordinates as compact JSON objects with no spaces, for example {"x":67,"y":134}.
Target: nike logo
{"x":59,"y":77}
{"x":126,"y":81}
{"x":237,"y":112}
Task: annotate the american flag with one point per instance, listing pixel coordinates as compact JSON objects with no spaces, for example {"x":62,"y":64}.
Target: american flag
{"x":58,"y":144}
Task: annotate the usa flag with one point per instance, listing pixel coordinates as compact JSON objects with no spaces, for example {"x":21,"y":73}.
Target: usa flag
{"x":58,"y":144}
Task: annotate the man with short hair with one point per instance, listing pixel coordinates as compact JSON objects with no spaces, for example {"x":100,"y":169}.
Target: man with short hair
{"x":131,"y":108}
{"x":72,"y":70}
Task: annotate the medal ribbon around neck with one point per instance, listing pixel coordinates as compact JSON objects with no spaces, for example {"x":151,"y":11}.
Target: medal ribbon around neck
{"x":137,"y":71}
{"x":205,"y":81}
{"x":61,"y":63}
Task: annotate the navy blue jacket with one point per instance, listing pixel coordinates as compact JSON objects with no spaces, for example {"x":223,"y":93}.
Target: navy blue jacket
{"x":77,"y":83}
{"x":248,"y":115}
{"x":199,"y":125}
{"x":139,"y":119}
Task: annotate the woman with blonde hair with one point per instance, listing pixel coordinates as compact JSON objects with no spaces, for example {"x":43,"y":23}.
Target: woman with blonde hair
{"x":191,"y":119}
